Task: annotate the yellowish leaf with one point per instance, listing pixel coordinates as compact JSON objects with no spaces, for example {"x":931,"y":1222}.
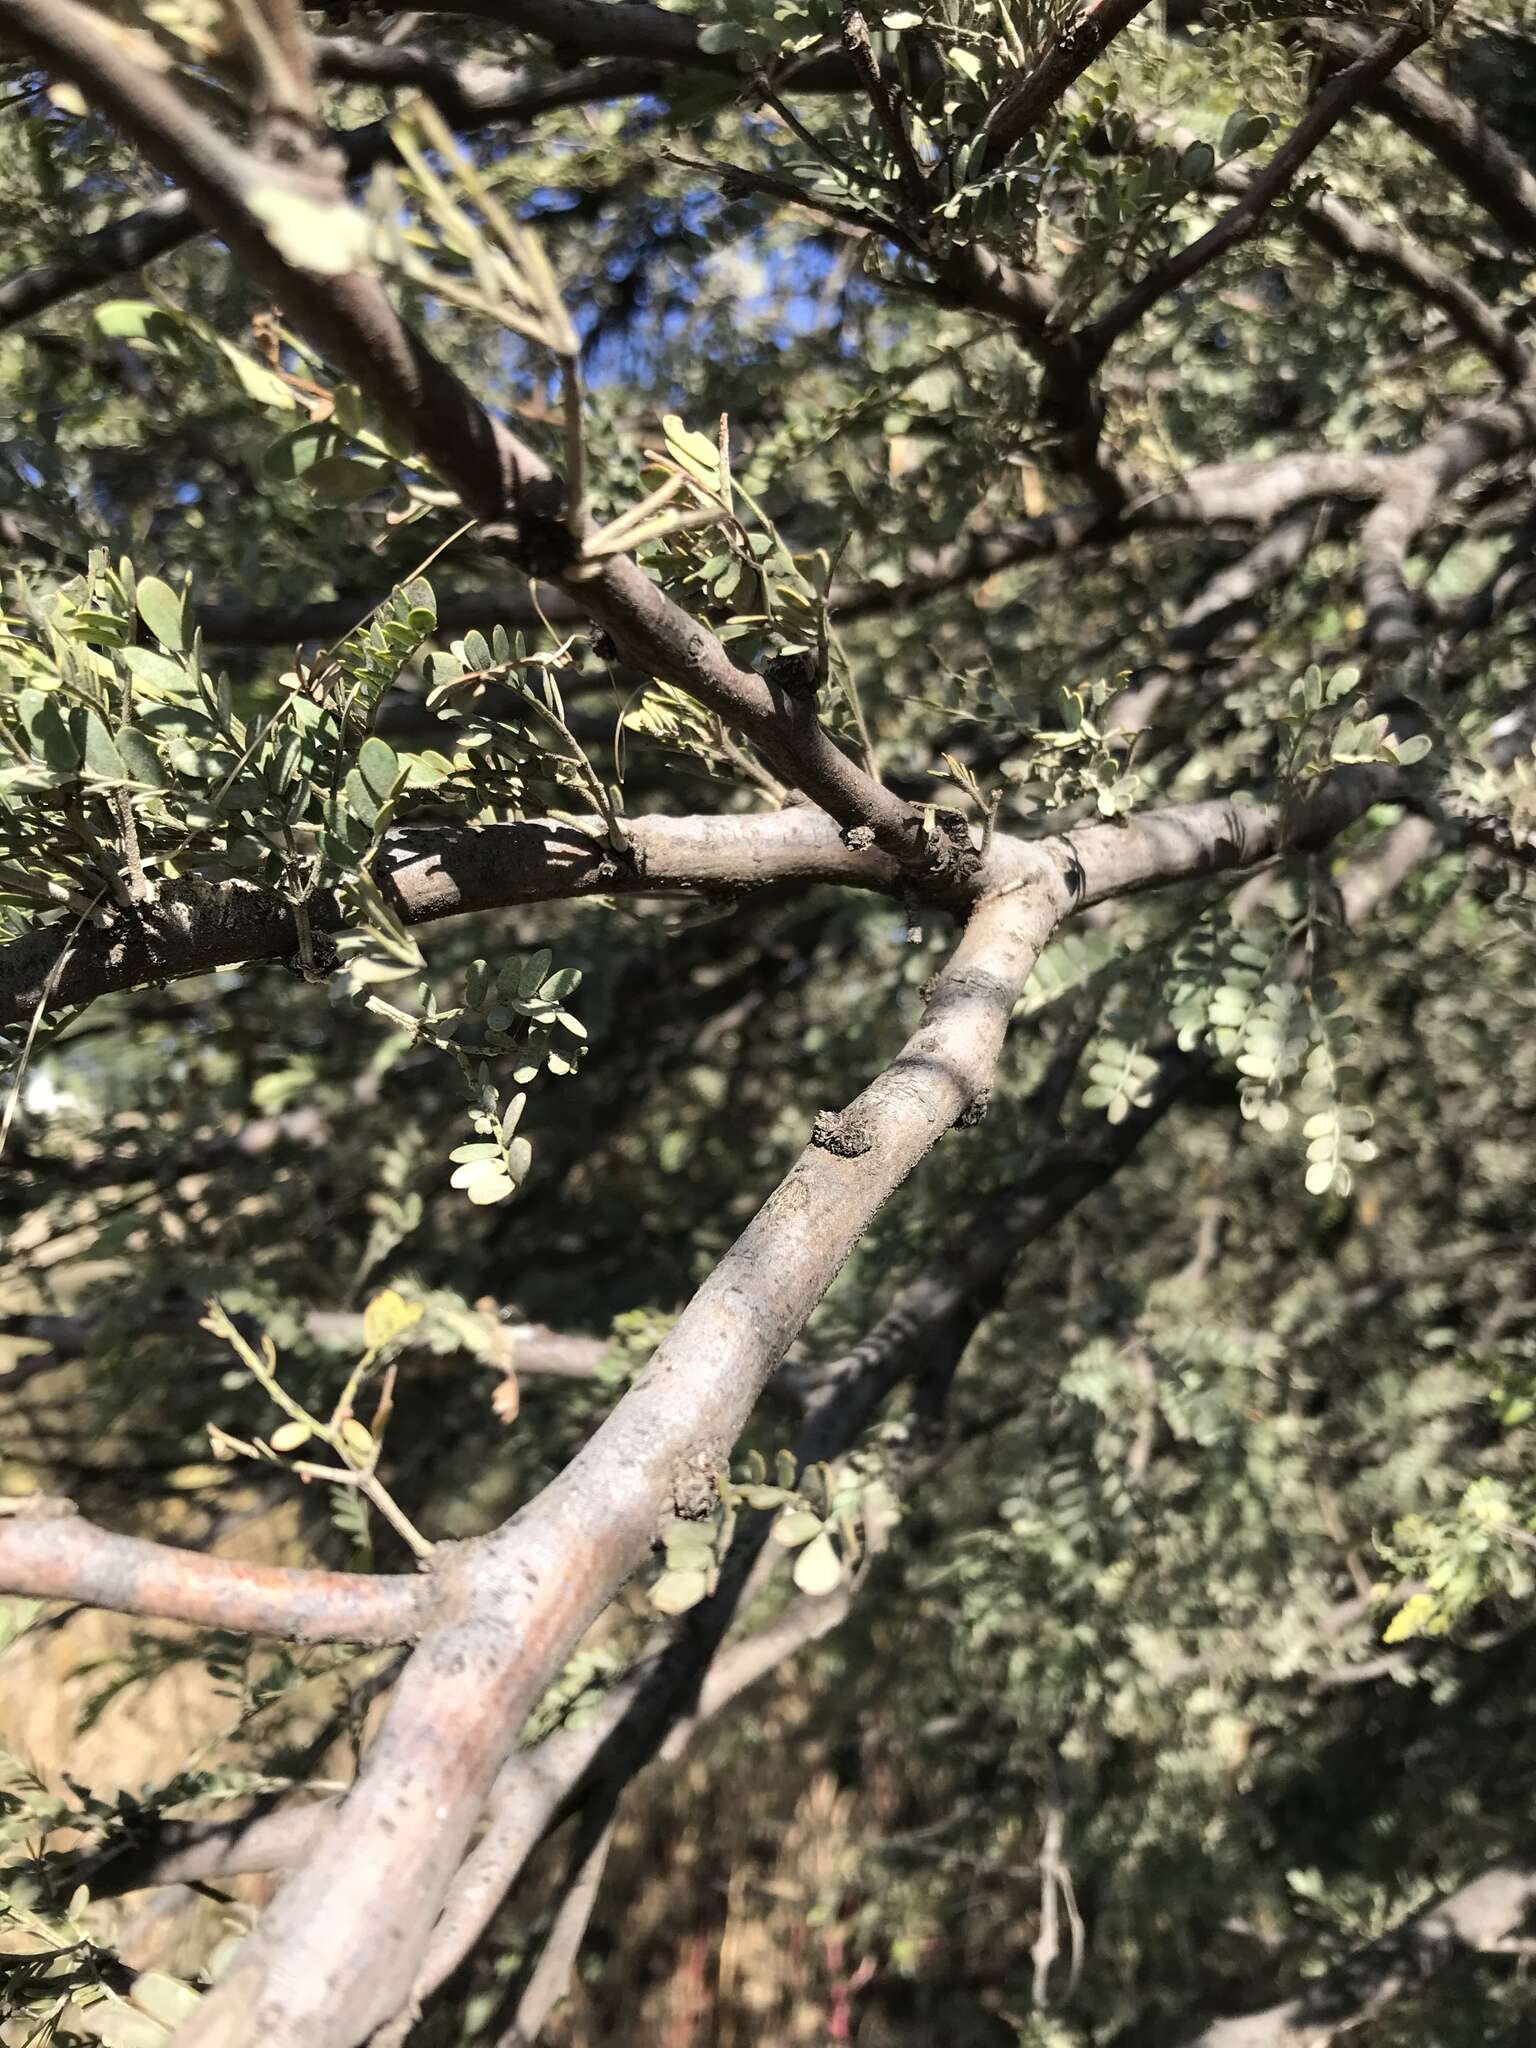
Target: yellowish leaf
{"x":387,"y":1316}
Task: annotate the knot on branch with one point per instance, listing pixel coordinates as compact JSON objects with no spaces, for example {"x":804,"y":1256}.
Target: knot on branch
{"x":974,"y":1111}
{"x":695,"y":1488}
{"x":951,"y":857}
{"x":845,"y":1136}
{"x":794,"y":674}
{"x":541,"y":541}
{"x":324,"y":958}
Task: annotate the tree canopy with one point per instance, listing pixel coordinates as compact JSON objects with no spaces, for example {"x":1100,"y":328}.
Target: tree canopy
{"x":767,"y":784}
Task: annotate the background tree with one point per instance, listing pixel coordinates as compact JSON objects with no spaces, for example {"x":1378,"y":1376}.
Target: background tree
{"x":629,"y":633}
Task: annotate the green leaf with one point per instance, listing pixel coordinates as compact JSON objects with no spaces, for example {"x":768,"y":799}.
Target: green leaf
{"x":818,"y":1568}
{"x":102,"y":760}
{"x":122,"y":2026}
{"x":165,"y":1998}
{"x":346,"y":480}
{"x":360,"y":799}
{"x":298,"y":452}
{"x":1413,"y":1618}
{"x":49,"y":731}
{"x":531,"y":979}
{"x":379,"y":767}
{"x":140,"y":320}
{"x":156,"y":675}
{"x":675,"y":1592}
{"x":163,"y":611}
{"x":389,"y":1315}
{"x":694,"y":453}
{"x":1244,"y":131}
{"x":139,"y":758}
{"x":490,"y":1188}
{"x":795,"y":1527}
{"x":256,"y":380}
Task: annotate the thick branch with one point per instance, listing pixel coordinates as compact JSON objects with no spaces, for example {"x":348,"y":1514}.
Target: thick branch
{"x":195,"y":926}
{"x":344,"y":1937}
{"x":924,"y":1332}
{"x":532,"y":1350}
{"x":50,"y":1553}
{"x":628,"y":28}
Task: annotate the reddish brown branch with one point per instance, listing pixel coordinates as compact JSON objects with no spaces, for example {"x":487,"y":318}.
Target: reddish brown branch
{"x":49,"y":1553}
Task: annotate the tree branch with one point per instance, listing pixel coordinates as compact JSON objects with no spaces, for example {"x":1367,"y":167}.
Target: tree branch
{"x":1336,"y":228}
{"x":688,"y":1676}
{"x":531,"y":1589}
{"x":1419,"y":485}
{"x":351,"y":318}
{"x":431,"y":874}
{"x":47,"y":1552}
{"x":1080,"y":42}
{"x":1479,"y":1918}
{"x":469,"y":94}
{"x":1463,"y":140}
{"x":1238,"y":494}
{"x":1242,"y":219}
{"x":532,"y":1350}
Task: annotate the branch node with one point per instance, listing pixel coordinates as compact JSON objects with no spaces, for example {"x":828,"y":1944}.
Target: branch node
{"x":794,"y":674}
{"x":974,"y":1111}
{"x":695,"y":1488}
{"x":841,"y":1134}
